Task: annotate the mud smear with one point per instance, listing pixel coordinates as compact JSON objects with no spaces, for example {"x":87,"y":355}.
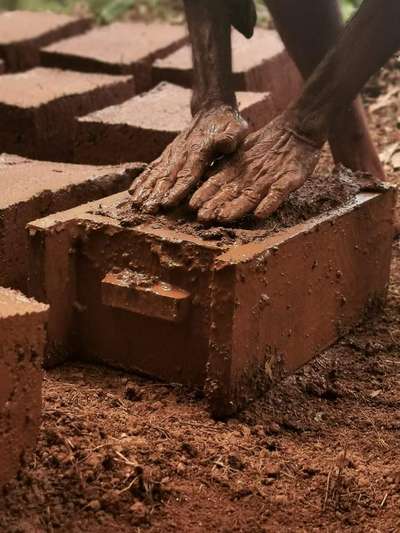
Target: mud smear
{"x":317,"y":196}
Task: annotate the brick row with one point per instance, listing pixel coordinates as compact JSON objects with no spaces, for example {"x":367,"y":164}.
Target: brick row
{"x":37,"y":108}
{"x":259,"y":64}
{"x":33,"y":189}
{"x":23,"y":33}
{"x":120,"y":48}
{"x":140,"y":128}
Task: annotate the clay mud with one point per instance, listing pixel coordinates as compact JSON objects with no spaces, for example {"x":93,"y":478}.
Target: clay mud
{"x":316,"y":197}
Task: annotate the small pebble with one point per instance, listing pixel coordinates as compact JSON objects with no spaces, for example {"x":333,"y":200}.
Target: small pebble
{"x":94,"y":505}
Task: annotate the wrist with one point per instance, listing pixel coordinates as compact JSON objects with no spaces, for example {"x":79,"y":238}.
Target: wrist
{"x":202,"y":101}
{"x":311,"y":125}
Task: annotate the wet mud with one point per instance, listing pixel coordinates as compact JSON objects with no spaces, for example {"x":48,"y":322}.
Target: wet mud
{"x":317,"y":196}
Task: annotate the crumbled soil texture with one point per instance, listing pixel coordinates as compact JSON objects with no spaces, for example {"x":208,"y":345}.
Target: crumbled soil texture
{"x":317,"y":196}
{"x":319,"y":453}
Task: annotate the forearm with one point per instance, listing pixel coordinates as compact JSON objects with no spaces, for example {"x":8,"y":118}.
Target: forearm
{"x":308,"y":28}
{"x":365,"y":45}
{"x":210,"y":32}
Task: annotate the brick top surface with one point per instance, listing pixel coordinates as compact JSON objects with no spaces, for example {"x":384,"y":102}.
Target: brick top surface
{"x":14,"y":303}
{"x":22,"y":179}
{"x":122,"y":42}
{"x":42,"y":85}
{"x":246,"y":53}
{"x":164,"y":108}
{"x":17,"y":26}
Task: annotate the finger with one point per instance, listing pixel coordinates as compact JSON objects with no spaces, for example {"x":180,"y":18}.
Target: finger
{"x":166,"y":177}
{"x":228,"y":140}
{"x":211,"y":187}
{"x":239,"y":207}
{"x":278,"y":193}
{"x":198,"y":161}
{"x":184,"y":183}
{"x":212,"y":209}
{"x":165,"y":172}
{"x":161,"y":184}
{"x":240,"y":192}
{"x":143,"y":186}
{"x":141,"y":178}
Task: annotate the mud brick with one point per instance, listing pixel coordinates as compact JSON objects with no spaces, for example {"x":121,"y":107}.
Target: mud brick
{"x":140,"y":128}
{"x":23,"y":33}
{"x":22,"y":340}
{"x":32,"y":189}
{"x":230,"y":317}
{"x":120,"y":48}
{"x":259,"y":64}
{"x":37,"y":108}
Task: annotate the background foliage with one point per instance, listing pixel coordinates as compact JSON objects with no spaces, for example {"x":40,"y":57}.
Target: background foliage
{"x":109,"y":10}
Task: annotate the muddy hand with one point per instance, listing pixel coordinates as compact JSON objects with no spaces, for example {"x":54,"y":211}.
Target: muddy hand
{"x":169,"y":179}
{"x":270,"y":164}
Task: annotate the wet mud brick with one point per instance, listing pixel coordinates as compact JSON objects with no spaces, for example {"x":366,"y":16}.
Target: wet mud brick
{"x":120,"y":48}
{"x":22,"y":340}
{"x":23,"y":33}
{"x":259,"y":64}
{"x":230,"y":318}
{"x":32,"y":189}
{"x":140,"y":128}
{"x":37,"y":108}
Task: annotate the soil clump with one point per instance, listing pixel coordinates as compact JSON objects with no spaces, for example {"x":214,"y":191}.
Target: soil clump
{"x":316,"y":197}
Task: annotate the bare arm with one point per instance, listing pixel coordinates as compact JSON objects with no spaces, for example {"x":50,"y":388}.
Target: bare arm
{"x":277,"y":159}
{"x":309,"y":29}
{"x":210,"y":34}
{"x":368,"y":41}
{"x":209,"y":23}
{"x":217,"y":127}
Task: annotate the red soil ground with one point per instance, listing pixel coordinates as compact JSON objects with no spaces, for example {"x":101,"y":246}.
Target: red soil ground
{"x":319,"y":453}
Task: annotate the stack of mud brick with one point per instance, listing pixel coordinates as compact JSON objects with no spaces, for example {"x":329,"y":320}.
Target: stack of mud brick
{"x":80,"y":107}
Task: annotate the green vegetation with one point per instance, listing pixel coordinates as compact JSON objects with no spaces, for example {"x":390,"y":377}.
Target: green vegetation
{"x":104,"y":10}
{"x":349,"y":6}
{"x":108,"y":10}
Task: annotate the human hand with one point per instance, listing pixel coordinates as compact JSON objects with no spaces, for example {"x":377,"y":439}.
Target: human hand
{"x":169,"y":179}
{"x":266,"y":168}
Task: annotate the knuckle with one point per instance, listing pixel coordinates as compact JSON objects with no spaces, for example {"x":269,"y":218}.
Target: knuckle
{"x":250,"y":194}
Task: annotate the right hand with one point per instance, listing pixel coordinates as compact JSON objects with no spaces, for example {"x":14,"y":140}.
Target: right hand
{"x":270,"y":164}
{"x":170,"y":178}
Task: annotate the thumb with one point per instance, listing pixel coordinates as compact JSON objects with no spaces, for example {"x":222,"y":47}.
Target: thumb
{"x":228,"y":140}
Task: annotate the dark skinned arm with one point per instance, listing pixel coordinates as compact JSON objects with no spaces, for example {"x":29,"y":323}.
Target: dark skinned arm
{"x":370,"y":39}
{"x":309,"y":29}
{"x":217,"y":127}
{"x":277,"y":159}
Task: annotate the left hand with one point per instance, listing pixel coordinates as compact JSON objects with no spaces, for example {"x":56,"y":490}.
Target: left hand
{"x":167,"y":180}
{"x":259,"y":176}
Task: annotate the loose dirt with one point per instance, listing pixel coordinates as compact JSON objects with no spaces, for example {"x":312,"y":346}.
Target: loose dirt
{"x":319,"y":453}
